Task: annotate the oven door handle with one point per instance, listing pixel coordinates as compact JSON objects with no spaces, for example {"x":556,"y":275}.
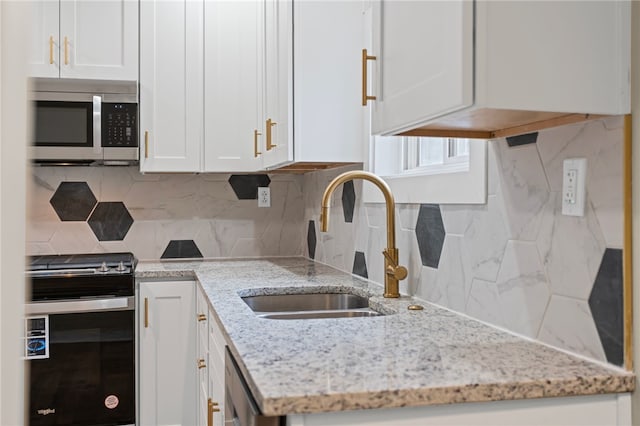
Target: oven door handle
{"x":74,"y":306}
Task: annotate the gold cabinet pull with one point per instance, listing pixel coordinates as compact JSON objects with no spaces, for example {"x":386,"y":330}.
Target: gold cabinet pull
{"x":66,"y":50}
{"x":201,"y":363}
{"x":146,"y":144}
{"x":366,"y":57}
{"x":270,"y":124}
{"x":255,"y":143}
{"x":212,"y":407}
{"x":50,"y":49}
{"x":146,"y":312}
{"x":202,"y":317}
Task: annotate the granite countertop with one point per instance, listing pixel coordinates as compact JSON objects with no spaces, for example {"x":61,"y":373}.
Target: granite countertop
{"x":405,"y":358}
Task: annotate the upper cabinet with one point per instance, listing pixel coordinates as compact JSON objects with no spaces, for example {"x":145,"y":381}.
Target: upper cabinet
{"x":85,"y":39}
{"x":489,"y":68}
{"x":171,"y":86}
{"x":280,"y":88}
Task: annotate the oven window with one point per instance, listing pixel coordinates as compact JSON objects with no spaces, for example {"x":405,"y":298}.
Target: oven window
{"x":89,"y":377}
{"x":63,"y":123}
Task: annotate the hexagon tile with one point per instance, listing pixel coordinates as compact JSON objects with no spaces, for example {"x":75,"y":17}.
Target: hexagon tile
{"x":246,"y":186}
{"x":348,"y":200}
{"x":360,"y":265}
{"x":607,"y":307}
{"x":73,"y":201}
{"x":430,"y":234}
{"x":110,"y":221}
{"x":522,"y":139}
{"x":180,"y":249}
{"x":311,"y":239}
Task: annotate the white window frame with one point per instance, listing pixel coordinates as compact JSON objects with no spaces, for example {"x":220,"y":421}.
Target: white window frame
{"x":467,"y":186}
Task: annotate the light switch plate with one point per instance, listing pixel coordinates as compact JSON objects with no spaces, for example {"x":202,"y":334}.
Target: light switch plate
{"x":574,"y":183}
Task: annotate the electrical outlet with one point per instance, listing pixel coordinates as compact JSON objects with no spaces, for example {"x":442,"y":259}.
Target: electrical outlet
{"x":574,"y":180}
{"x":264,"y":196}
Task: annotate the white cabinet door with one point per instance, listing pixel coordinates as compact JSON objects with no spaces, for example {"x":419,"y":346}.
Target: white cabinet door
{"x":424,"y":65}
{"x":216,"y":369}
{"x":167,"y":353}
{"x":44,"y":58}
{"x":202,"y":354}
{"x":278,"y":81}
{"x":233,"y":86}
{"x":171,"y":85}
{"x":101,"y":39}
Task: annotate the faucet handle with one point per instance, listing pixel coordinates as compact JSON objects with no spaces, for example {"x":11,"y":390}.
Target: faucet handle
{"x":393,"y":269}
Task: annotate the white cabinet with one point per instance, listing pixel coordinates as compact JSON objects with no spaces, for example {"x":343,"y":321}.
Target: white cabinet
{"x":279,"y":83}
{"x":216,"y":365}
{"x":485,"y":68}
{"x":85,"y":39}
{"x":171,"y":85}
{"x":202,"y":355}
{"x":233,"y":85}
{"x":167,"y":353}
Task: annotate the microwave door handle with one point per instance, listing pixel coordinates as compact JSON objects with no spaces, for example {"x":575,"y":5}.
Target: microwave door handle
{"x":97,"y":124}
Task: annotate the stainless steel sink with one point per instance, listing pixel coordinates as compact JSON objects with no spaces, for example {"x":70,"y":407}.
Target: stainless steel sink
{"x":310,"y":306}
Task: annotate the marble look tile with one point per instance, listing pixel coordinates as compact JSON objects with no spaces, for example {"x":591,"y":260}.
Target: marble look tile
{"x":311,"y":239}
{"x":147,"y":239}
{"x":485,"y":239}
{"x":73,"y":237}
{"x":493,"y":175}
{"x":453,"y":282}
{"x":115,"y":182}
{"x":484,"y":302}
{"x":348,"y":200}
{"x":110,"y":247}
{"x":41,"y":231}
{"x":456,"y":218}
{"x":568,"y":324}
{"x":376,"y":215}
{"x":377,"y":242}
{"x":246,"y":186}
{"x":40,"y":191}
{"x":523,"y":288}
{"x":571,"y":249}
{"x":33,"y":249}
{"x":527,"y":138}
{"x":407,"y":216}
{"x":360,"y":264}
{"x":523,"y":189}
{"x":180,"y":249}
{"x":110,"y":221}
{"x":430,"y":234}
{"x":73,"y":201}
{"x":409,"y":258}
{"x":248,"y":247}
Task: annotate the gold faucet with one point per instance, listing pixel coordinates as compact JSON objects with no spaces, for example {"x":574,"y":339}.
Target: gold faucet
{"x":393,"y":272}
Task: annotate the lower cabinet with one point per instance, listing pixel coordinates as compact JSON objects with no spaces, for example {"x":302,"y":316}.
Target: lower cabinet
{"x":180,"y":356}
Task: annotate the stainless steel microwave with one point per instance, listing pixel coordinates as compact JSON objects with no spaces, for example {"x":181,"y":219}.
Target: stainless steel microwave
{"x":84,"y":121}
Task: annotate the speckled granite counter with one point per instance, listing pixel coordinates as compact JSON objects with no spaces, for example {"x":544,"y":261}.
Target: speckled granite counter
{"x":406,"y":358}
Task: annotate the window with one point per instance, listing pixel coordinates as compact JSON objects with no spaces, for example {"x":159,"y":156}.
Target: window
{"x":429,"y":170}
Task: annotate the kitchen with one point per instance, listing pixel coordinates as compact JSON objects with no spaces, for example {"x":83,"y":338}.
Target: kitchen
{"x":207,"y":212}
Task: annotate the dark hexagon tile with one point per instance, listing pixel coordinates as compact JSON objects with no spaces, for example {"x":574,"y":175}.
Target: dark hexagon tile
{"x":246,"y":186}
{"x":525,"y":139}
{"x":180,"y":249}
{"x":348,"y":200}
{"x":607,"y":306}
{"x":311,"y":239}
{"x":430,"y":234}
{"x":110,"y":221}
{"x":73,"y":201}
{"x":360,"y":265}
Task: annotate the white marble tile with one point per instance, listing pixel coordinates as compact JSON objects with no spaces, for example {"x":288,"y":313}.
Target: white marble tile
{"x":42,"y":231}
{"x":115,"y":183}
{"x":33,"y":249}
{"x":409,"y":252}
{"x":568,"y":324}
{"x":523,"y":288}
{"x":376,"y":215}
{"x":485,"y":239}
{"x":571,"y":249}
{"x":110,"y":247}
{"x":493,"y":162}
{"x":428,"y":288}
{"x":146,"y":239}
{"x":248,"y":247}
{"x":484,"y":302}
{"x":454,"y":275}
{"x":375,"y":259}
{"x":523,"y":188}
{"x":207,"y":240}
{"x":408,"y":216}
{"x":456,"y":218}
{"x":73,"y":237}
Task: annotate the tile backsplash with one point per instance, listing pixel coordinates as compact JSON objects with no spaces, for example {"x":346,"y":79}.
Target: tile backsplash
{"x":515,"y":261}
{"x":106,"y":209}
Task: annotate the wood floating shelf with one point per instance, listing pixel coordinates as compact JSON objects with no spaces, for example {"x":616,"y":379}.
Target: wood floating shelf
{"x":306,"y":167}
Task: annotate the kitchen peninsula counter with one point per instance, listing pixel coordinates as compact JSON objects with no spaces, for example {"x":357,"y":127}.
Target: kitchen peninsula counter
{"x":404,"y":358}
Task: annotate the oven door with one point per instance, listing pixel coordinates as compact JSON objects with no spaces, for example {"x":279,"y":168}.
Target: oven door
{"x":88,"y":377}
{"x":67,"y":130}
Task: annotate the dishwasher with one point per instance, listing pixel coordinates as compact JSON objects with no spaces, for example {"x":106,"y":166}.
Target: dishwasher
{"x":240,"y":407}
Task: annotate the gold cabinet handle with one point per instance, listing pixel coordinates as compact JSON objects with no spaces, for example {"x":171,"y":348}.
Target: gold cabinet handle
{"x":66,"y":50}
{"x":202,"y":317}
{"x":366,"y":57}
{"x":146,"y":144}
{"x":270,"y":124}
{"x":212,"y":407}
{"x":146,"y":312}
{"x":201,"y":363}
{"x":50,"y":49}
{"x":255,"y":143}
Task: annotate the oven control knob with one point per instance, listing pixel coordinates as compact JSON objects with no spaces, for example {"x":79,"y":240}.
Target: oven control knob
{"x":121,"y":267}
{"x":103,"y":267}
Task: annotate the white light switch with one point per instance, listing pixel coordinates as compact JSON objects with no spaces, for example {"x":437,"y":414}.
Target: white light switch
{"x":574,"y":182}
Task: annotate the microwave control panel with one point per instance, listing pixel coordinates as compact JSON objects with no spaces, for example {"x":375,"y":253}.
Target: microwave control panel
{"x":37,"y":337}
{"x":119,"y":125}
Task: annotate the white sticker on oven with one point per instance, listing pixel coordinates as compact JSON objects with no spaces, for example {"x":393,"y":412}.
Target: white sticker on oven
{"x":111,"y":402}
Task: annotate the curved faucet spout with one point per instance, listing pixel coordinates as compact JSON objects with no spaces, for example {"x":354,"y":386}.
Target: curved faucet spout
{"x":393,"y":271}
